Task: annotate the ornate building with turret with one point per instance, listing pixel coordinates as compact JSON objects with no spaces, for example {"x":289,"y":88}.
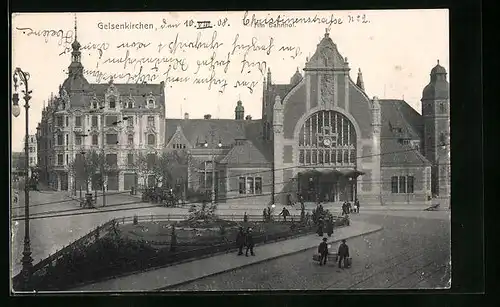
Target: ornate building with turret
{"x":120,"y":121}
{"x":323,"y":137}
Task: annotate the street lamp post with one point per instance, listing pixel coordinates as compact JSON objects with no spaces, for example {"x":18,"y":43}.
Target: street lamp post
{"x":219,"y":145}
{"x":26,"y":260}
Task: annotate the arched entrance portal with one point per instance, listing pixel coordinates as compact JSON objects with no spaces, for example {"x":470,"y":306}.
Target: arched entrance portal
{"x":327,"y":158}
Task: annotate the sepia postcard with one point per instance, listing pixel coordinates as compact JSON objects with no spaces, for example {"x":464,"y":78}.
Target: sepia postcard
{"x":230,"y":151}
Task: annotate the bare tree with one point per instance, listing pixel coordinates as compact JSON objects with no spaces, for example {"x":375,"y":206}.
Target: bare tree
{"x":98,"y":164}
{"x":83,"y":168}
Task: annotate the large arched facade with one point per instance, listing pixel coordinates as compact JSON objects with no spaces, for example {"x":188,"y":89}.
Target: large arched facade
{"x":326,"y":157}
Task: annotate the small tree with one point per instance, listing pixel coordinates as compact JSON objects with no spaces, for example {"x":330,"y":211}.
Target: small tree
{"x":141,"y":166}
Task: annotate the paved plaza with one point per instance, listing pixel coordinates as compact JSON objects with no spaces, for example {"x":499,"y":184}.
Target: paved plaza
{"x":49,"y":234}
{"x":411,"y":251}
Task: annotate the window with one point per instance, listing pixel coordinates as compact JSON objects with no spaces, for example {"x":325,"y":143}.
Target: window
{"x":151,"y":160}
{"x":402,"y":184}
{"x":78,"y":121}
{"x":78,"y":139}
{"x":242,"y":185}
{"x":60,"y":159}
{"x":67,"y":121}
{"x":112,"y":102}
{"x":151,"y":121}
{"x":131,"y":139}
{"x":130,"y":105}
{"x":112,"y":159}
{"x":59,"y":121}
{"x":151,"y":139}
{"x":60,"y":139}
{"x":94,"y":121}
{"x":67,"y":139}
{"x":258,"y":185}
{"x":130,"y":121}
{"x":130,"y":159}
{"x":111,"y":120}
{"x":151,"y":103}
{"x":250,"y":185}
{"x":95,"y":139}
{"x":94,"y":104}
{"x":111,"y":139}
{"x":394,"y":184}
{"x":409,"y":184}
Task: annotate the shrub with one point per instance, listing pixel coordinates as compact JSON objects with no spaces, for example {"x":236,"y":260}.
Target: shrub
{"x":135,"y":219}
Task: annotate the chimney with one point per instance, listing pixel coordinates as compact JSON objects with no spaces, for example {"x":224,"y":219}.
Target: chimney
{"x":186,"y":115}
{"x":248,"y":117}
{"x":207,"y":116}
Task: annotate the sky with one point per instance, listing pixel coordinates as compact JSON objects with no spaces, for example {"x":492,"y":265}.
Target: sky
{"x":395,"y":50}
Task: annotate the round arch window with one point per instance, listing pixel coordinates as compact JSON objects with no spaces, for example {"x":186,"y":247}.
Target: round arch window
{"x":327,"y":137}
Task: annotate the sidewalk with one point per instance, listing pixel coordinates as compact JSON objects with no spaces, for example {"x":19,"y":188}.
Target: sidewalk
{"x":163,"y":278}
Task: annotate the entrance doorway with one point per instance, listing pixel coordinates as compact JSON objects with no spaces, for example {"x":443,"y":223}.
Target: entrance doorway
{"x":328,"y":186}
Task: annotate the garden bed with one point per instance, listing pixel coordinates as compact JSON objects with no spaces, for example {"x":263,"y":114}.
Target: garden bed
{"x":147,"y":245}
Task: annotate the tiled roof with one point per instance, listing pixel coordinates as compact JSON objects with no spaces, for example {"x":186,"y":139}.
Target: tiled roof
{"x":245,"y":153}
{"x":201,"y":130}
{"x":399,"y":114}
{"x":394,"y":153}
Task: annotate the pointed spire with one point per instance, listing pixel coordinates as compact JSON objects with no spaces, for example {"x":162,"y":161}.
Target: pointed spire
{"x":359,"y":81}
{"x":75,"y":29}
{"x":327,"y":32}
{"x":438,"y":61}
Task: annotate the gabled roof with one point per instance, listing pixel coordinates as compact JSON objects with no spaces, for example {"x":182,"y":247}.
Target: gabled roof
{"x":399,"y":114}
{"x":245,"y":153}
{"x":201,"y":130}
{"x":396,"y":154}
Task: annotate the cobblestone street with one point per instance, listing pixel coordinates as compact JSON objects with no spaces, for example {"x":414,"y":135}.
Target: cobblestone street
{"x":412,"y":251}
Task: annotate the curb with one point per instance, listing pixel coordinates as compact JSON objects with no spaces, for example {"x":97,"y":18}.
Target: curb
{"x":262,"y":261}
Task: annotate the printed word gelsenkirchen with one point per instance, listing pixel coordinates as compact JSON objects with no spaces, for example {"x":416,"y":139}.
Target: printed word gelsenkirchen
{"x":125,"y":26}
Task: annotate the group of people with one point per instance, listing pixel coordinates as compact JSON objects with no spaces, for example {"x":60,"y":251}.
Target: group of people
{"x":342,"y":254}
{"x":245,"y":238}
{"x":347,"y":208}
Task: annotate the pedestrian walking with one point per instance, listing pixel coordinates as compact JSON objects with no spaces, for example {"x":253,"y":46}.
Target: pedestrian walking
{"x":323,"y":251}
{"x":285,"y":213}
{"x":356,"y":205}
{"x":249,"y":242}
{"x":343,"y":254}
{"x":240,"y":241}
{"x":320,"y":227}
{"x":289,"y":200}
{"x":329,"y":226}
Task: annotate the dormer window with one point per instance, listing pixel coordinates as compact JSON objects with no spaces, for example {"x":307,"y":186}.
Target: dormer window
{"x":151,"y":103}
{"x":130,"y":105}
{"x":94,"y":104}
{"x":112,"y":102}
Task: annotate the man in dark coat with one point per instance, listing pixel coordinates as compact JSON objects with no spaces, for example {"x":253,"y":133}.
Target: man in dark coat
{"x":356,"y":205}
{"x":285,"y":213}
{"x":249,"y":242}
{"x":343,"y":253}
{"x":240,"y":241}
{"x":323,"y":252}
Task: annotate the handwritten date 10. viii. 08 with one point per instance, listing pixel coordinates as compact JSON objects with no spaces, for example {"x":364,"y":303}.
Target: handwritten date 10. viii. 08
{"x":199,"y":25}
